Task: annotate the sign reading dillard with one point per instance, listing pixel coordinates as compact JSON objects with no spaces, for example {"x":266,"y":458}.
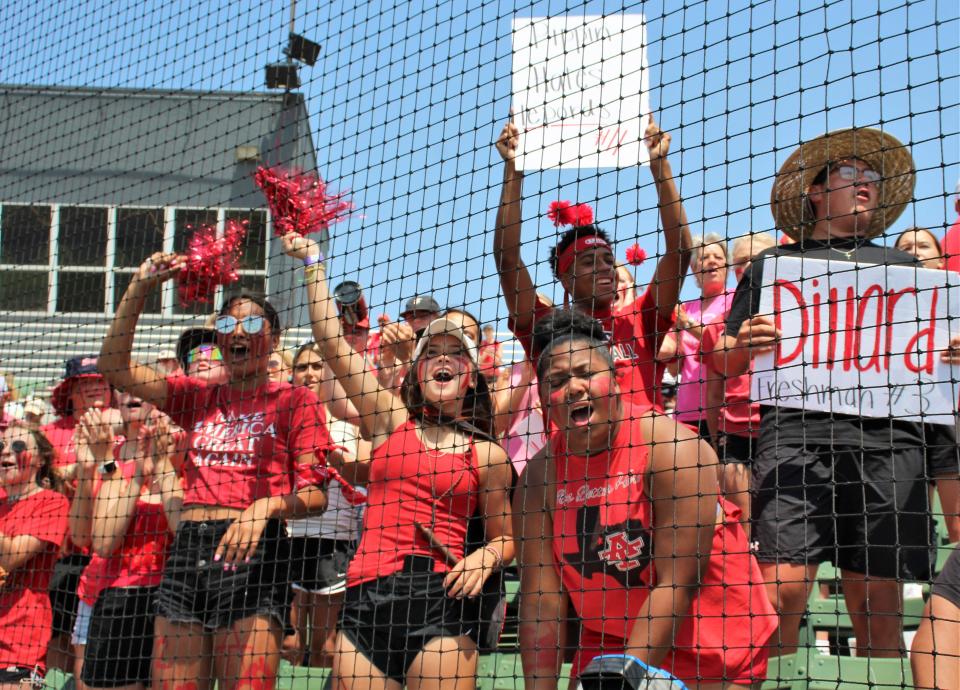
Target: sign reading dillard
{"x":859,"y":339}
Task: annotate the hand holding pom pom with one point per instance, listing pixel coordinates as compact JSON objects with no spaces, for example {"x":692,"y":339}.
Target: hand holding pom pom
{"x":210,"y":261}
{"x":636,"y":255}
{"x":299,"y":202}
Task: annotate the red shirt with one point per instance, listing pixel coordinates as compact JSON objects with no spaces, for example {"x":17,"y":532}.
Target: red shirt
{"x":139,"y":560}
{"x":410,"y":484}
{"x":738,"y":415}
{"x":243,"y":445}
{"x":951,"y":246}
{"x":25,"y":614}
{"x":603,"y":547}
{"x":635,"y":333}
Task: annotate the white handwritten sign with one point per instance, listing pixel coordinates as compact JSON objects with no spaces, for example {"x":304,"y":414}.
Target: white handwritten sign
{"x":859,"y":339}
{"x":580,"y":91}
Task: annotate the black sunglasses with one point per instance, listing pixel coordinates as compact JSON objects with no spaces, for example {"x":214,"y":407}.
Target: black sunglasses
{"x":16,"y":447}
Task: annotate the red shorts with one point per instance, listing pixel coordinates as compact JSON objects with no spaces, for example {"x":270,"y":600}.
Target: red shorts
{"x":689,"y":665}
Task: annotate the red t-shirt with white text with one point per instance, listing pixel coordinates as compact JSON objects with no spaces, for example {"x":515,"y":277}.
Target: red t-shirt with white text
{"x":244,"y":444}
{"x":25,"y":614}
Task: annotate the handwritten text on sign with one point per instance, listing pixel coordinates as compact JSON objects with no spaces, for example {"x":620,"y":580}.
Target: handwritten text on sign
{"x":859,"y":339}
{"x":580,"y":91}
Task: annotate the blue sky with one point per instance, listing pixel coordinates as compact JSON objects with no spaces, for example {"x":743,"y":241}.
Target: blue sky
{"x":408,"y":96}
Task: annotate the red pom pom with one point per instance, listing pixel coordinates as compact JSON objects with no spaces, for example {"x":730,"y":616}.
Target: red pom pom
{"x":636,"y":255}
{"x":565,"y":213}
{"x":210,"y":261}
{"x":583,"y":215}
{"x":299,"y":201}
{"x":558,"y":212}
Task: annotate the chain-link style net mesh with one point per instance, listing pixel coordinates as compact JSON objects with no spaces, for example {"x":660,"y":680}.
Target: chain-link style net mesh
{"x":480,"y":344}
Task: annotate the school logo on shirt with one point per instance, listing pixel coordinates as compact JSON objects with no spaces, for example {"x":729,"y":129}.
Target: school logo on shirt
{"x":622,"y":552}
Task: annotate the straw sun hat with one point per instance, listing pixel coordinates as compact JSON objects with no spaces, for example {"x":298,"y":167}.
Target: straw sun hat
{"x":884,"y":153}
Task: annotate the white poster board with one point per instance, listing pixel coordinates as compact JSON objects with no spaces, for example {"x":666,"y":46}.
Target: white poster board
{"x":859,"y":339}
{"x":580,"y":91}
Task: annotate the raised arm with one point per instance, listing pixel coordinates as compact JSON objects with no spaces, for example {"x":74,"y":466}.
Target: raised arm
{"x":94,"y":448}
{"x":672,"y":266}
{"x":519,"y":291}
{"x":380,"y":411}
{"x":543,"y":603}
{"x":683,"y":488}
{"x":114,"y":362}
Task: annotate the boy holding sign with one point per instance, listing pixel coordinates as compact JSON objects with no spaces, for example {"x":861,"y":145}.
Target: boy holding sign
{"x":584,"y":264}
{"x":834,"y":487}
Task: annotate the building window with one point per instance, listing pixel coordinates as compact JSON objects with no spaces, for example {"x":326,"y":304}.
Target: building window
{"x":24,"y":245}
{"x":80,"y":259}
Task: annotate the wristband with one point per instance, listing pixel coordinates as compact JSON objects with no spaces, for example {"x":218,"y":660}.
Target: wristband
{"x":498,"y":557}
{"x":313,"y":260}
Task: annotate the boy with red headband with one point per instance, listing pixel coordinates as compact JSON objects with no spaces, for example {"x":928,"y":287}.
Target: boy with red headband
{"x":583,"y":262}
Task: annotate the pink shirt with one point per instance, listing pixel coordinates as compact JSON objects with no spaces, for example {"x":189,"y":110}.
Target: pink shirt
{"x":951,"y":246}
{"x":691,"y":392}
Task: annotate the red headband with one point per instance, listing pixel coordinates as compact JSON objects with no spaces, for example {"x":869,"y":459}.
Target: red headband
{"x":567,"y":257}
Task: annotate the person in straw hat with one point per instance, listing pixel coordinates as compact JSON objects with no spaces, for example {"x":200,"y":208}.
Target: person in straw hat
{"x":833,"y":487}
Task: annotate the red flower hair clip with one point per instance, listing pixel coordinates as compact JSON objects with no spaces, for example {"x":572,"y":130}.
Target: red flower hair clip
{"x":299,"y":201}
{"x":636,"y":255}
{"x":565,"y":213}
{"x":210,"y":261}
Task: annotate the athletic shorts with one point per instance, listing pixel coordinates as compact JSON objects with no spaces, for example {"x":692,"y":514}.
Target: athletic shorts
{"x":863,"y":510}
{"x":18,"y":674}
{"x":82,"y":624}
{"x":947,"y":584}
{"x":390,"y":619}
{"x":120,"y":640}
{"x":197,"y":589}
{"x":695,"y":665}
{"x":320,"y":565}
{"x":941,"y":450}
{"x":63,"y":591}
{"x":733,"y":449}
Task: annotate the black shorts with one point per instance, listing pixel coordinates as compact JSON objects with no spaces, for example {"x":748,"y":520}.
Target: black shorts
{"x":120,"y":639}
{"x":17,"y":674}
{"x":63,"y":591}
{"x":733,"y":449}
{"x":864,"y":510}
{"x":390,"y":619}
{"x":947,"y":584}
{"x":197,"y":589}
{"x":320,"y":565}
{"x":941,"y":450}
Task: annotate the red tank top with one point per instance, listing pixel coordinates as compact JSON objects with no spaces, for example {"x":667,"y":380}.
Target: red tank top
{"x":410,"y":484}
{"x":603,"y":546}
{"x":138,"y":561}
{"x":602,"y":530}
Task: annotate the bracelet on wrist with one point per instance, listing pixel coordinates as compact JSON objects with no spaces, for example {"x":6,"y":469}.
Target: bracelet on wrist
{"x":313,"y":260}
{"x":498,"y":557}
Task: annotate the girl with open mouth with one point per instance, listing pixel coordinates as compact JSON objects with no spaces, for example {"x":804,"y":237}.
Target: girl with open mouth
{"x":410,"y":610}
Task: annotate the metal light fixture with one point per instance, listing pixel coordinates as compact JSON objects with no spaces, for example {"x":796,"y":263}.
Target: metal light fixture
{"x":282,"y":75}
{"x":302,"y":49}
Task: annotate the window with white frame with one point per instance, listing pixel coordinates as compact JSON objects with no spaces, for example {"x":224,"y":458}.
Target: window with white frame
{"x":80,"y":259}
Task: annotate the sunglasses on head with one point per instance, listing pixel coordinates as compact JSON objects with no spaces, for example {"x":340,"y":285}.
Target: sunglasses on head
{"x":852,"y":174}
{"x":16,"y":447}
{"x":251,"y":324}
{"x":210,"y":352}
